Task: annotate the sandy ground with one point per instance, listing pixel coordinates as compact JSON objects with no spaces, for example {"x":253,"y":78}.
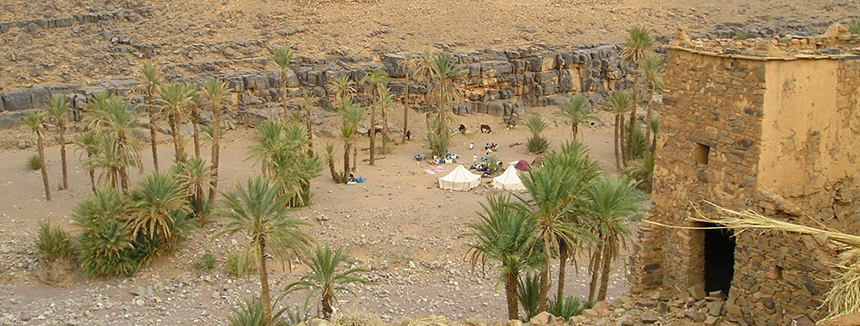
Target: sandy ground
{"x":398,"y":223}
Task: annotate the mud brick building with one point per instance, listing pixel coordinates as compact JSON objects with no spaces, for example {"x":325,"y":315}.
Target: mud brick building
{"x":771,"y":126}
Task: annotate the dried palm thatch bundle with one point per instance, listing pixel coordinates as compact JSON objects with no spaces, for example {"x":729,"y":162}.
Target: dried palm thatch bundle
{"x":844,"y":297}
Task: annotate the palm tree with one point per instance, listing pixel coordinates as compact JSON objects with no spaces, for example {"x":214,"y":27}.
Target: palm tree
{"x":343,"y":89}
{"x":88,"y":141}
{"x":294,"y":168}
{"x":376,"y":79}
{"x":195,"y":178}
{"x":269,"y":137}
{"x":408,"y":64}
{"x":175,"y":99}
{"x":577,"y":111}
{"x":353,"y":115}
{"x":35,"y":122}
{"x":258,"y":211}
{"x":105,"y":156}
{"x":282,"y":57}
{"x":325,"y":279}
{"x":505,"y":234}
{"x":115,"y":119}
{"x":618,"y":104}
{"x":424,"y":72}
{"x":633,"y":50}
{"x":536,"y":125}
{"x":611,"y":203}
{"x":385,"y":102}
{"x":150,"y":83}
{"x":215,"y":92}
{"x":444,"y":72}
{"x":308,"y":104}
{"x":193,"y":110}
{"x":654,"y":70}
{"x":152,"y":204}
{"x":555,"y":191}
{"x":57,"y":105}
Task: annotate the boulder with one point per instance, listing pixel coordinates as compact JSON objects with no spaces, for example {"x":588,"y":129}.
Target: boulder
{"x":16,"y":100}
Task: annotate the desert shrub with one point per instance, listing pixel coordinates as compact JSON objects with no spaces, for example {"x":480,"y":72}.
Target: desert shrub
{"x":240,"y":264}
{"x":641,"y":170}
{"x":53,"y":243}
{"x":854,"y":26}
{"x":438,"y":138}
{"x":640,"y":144}
{"x":537,"y":145}
{"x":34,"y":162}
{"x":250,"y":313}
{"x":527,"y":291}
{"x":567,"y":307}
{"x":205,"y":263}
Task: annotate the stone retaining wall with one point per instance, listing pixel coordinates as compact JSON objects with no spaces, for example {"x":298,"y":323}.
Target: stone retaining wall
{"x":496,"y":82}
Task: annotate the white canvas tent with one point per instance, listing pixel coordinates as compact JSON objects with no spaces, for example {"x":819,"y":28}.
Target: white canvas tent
{"x":460,"y":180}
{"x":509,"y":180}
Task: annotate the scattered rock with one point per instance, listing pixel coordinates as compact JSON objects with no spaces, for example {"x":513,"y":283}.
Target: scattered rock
{"x":649,"y":318}
{"x":697,"y":292}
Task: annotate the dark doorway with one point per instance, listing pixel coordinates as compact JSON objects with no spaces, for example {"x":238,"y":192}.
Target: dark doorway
{"x":719,"y":259}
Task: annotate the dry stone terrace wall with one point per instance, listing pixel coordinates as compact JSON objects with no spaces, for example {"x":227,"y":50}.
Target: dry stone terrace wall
{"x":493,"y":81}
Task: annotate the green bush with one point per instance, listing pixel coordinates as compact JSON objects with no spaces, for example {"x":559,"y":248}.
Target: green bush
{"x":34,"y":162}
{"x":527,"y":291}
{"x":240,"y":264}
{"x":641,"y":170}
{"x":439,"y":138}
{"x":854,"y":26}
{"x":107,"y":250}
{"x":205,"y":263}
{"x":250,"y":313}
{"x":567,"y":307}
{"x":53,"y":243}
{"x":537,"y":145}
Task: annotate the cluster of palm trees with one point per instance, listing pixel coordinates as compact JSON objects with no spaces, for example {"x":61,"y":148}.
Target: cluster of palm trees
{"x":570,"y":209}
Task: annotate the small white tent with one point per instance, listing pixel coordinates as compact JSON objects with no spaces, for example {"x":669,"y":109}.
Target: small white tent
{"x":460,"y":180}
{"x":509,"y":180}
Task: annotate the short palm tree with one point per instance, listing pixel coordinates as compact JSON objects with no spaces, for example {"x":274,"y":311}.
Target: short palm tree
{"x":618,"y":104}
{"x":611,"y":203}
{"x":260,"y":213}
{"x":309,"y":104}
{"x":175,"y":100}
{"x":57,"y":106}
{"x":577,"y":111}
{"x":269,"y":136}
{"x":35,"y":122}
{"x":325,"y":279}
{"x":342,"y":88}
{"x":150,"y":83}
{"x":216,"y":92}
{"x":504,"y":234}
{"x":282,"y":58}
{"x":152,"y":204}
{"x":194,"y":179}
{"x":385,"y":102}
{"x":88,"y":142}
{"x":408,"y":64}
{"x":353,"y":114}
{"x":536,"y":125}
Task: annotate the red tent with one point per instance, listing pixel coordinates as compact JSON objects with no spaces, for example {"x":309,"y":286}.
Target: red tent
{"x":523,"y":165}
{"x":539,"y":161}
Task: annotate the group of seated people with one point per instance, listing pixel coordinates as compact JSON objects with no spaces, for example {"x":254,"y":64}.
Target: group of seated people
{"x":449,"y":158}
{"x":491,"y":147}
{"x":484,"y":166}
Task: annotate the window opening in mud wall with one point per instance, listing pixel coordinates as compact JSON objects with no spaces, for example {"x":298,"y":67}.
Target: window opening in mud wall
{"x":719,"y":258}
{"x":701,"y":153}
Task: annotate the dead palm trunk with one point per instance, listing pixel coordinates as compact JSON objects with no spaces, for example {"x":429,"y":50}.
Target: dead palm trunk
{"x":511,"y":294}
{"x":195,"y":120}
{"x":405,"y":110}
{"x":264,"y":282}
{"x":61,"y":123}
{"x":179,"y":152}
{"x":216,"y":151}
{"x":152,"y":131}
{"x":41,"y":144}
{"x":595,"y":270}
{"x":617,"y":145}
{"x":372,"y":132}
{"x":608,"y":255}
{"x":562,"y":268}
